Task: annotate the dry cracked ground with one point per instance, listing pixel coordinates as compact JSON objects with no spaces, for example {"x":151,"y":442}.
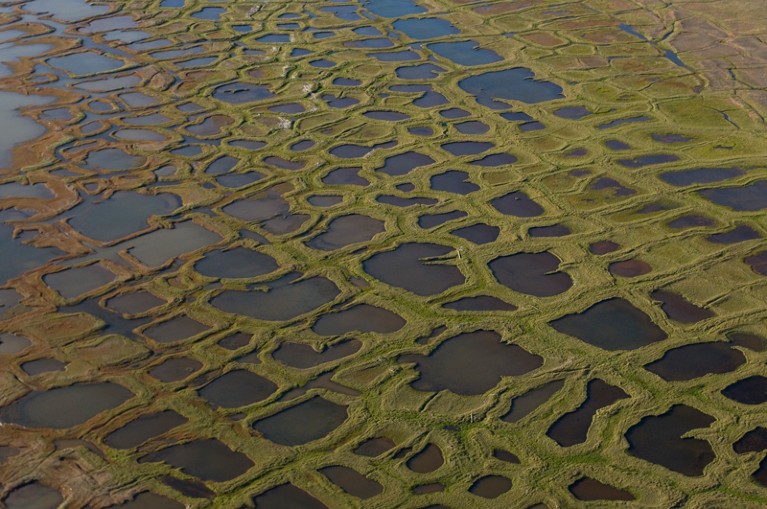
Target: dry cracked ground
{"x":383,"y":253}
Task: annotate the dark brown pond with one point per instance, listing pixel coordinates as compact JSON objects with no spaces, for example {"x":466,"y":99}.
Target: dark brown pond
{"x":425,"y":489}
{"x":588,"y":489}
{"x":748,"y":198}
{"x":523,"y":405}
{"x":691,"y":221}
{"x":352,"y":482}
{"x":351,"y":151}
{"x":415,"y":267}
{"x":572,"y":112}
{"x":758,"y":263}
{"x":237,"y":388}
{"x":33,"y":495}
{"x":480,"y":303}
{"x":683,"y":178}
{"x":235,"y":341}
{"x":670,"y":138}
{"x":134,"y":302}
{"x":176,"y":329}
{"x":617,"y":145}
{"x":760,"y":475}
{"x":629,"y":268}
{"x":613,"y":324}
{"x":268,"y":208}
{"x":679,"y":309}
{"x":693,"y":361}
{"x":531,"y":273}
{"x":515,"y":84}
{"x":188,"y":487}
{"x":479,"y":233}
{"x":303,"y":356}
{"x":740,"y":233}
{"x":471,"y":127}
{"x":325,"y":200}
{"x":463,"y":148}
{"x":573,"y":427}
{"x":241,"y":92}
{"x":490,"y":486}
{"x":143,"y":428}
{"x":287,"y":496}
{"x":156,"y":248}
{"x":345,"y":177}
{"x":64,"y":407}
{"x":613,"y":185}
{"x":361,"y":318}
{"x":121,"y":214}
{"x":747,"y":340}
{"x":517,"y":204}
{"x":209,"y":460}
{"x":149,"y":500}
{"x":324,"y":381}
{"x":453,"y":181}
{"x":402,"y":164}
{"x":603,"y":247}
{"x":420,"y":131}
{"x":398,"y":201}
{"x":307,"y":421}
{"x":427,"y":221}
{"x":374,"y":447}
{"x":175,"y":369}
{"x":71,"y":283}
{"x":346,"y":230}
{"x":283,"y":299}
{"x":238,"y":262}
{"x":556,"y":230}
{"x":222,"y":165}
{"x":495,"y":160}
{"x":40,"y":366}
{"x":749,"y":391}
{"x":658,"y":439}
{"x":386,"y":115}
{"x":470,"y":363}
{"x":753,"y":441}
{"x":426,"y":460}
{"x":505,"y":456}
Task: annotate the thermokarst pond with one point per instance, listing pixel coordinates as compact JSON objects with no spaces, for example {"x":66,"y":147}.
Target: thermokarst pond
{"x":360,"y":318}
{"x":427,"y":460}
{"x":65,"y":407}
{"x":390,"y":253}
{"x":416,"y":267}
{"x":661,"y":439}
{"x":283,"y":299}
{"x":209,"y":460}
{"x":613,"y":324}
{"x":470,"y":363}
{"x":305,"y":422}
{"x":352,"y":482}
{"x":531,"y":273}
{"x":346,"y":230}
{"x":573,"y":427}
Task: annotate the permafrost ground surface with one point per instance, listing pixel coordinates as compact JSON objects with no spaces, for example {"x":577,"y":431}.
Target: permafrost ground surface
{"x":401,"y":253}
